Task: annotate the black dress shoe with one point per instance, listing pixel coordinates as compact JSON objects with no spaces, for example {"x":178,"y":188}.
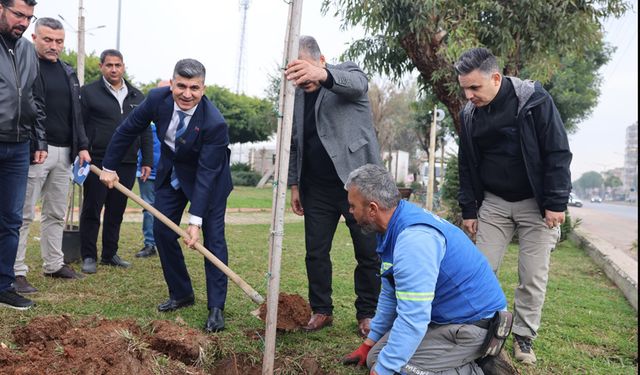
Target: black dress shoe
{"x":174,"y":304}
{"x":115,"y":261}
{"x":146,"y":251}
{"x":215,"y":321}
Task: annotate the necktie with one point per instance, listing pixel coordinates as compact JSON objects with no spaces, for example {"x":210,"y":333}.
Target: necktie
{"x":175,"y":183}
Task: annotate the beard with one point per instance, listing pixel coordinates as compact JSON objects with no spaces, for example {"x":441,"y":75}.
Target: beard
{"x":367,"y":228}
{"x":14,"y":33}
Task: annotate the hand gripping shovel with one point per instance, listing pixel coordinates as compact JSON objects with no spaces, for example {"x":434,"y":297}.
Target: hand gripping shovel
{"x":255,"y":297}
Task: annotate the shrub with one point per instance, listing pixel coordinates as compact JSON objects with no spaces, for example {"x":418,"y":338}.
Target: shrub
{"x":240,"y":167}
{"x":245,"y":178}
{"x":449,"y":192}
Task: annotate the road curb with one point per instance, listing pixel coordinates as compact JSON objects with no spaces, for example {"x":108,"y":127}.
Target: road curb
{"x":619,"y":267}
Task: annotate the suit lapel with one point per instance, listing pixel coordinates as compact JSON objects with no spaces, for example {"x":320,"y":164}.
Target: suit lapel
{"x":165,"y":112}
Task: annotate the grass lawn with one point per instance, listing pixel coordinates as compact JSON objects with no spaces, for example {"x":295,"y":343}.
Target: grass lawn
{"x":588,"y":327}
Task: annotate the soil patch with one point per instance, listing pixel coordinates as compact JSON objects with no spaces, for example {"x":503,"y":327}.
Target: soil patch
{"x":57,"y":345}
{"x":244,"y":365}
{"x":293,"y":312}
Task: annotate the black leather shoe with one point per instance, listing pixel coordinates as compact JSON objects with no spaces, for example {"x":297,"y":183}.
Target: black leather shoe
{"x":115,"y":261}
{"x":174,"y":304}
{"x":146,"y":251}
{"x":215,"y":321}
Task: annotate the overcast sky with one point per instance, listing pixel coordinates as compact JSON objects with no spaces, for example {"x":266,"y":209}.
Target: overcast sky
{"x":156,"y":33}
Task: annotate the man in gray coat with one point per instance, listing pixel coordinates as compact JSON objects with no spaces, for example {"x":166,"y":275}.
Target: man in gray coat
{"x":332,"y":135}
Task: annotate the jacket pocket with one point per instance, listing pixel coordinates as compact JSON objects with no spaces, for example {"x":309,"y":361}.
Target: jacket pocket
{"x":357,"y":144}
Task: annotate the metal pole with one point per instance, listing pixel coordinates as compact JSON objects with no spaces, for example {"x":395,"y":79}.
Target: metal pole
{"x":81,"y":53}
{"x":432,"y":161}
{"x":119,"y":17}
{"x":285,"y":121}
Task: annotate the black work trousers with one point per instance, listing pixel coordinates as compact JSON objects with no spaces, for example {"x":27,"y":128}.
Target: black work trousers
{"x":97,"y":195}
{"x":323,"y":207}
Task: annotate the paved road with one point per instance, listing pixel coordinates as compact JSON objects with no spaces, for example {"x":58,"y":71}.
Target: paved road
{"x":616,"y":224}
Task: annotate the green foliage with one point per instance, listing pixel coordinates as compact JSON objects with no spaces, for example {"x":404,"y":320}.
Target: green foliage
{"x":568,"y":226}
{"x":589,"y":180}
{"x":390,"y":108}
{"x":612,"y":181}
{"x":250,"y":119}
{"x":245,"y":178}
{"x":540,"y":36}
{"x":449,"y":191}
{"x":91,"y":64}
{"x":240,"y":167}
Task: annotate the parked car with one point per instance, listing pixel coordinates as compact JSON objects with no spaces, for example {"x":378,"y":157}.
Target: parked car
{"x":596,"y":200}
{"x":574,"y":201}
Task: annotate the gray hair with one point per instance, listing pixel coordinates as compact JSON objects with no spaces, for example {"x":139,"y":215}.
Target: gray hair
{"x":51,"y":23}
{"x":110,"y":52}
{"x":375,"y":184}
{"x":309,"y":46}
{"x":189,"y":68}
{"x":10,"y":3}
{"x":477,"y":58}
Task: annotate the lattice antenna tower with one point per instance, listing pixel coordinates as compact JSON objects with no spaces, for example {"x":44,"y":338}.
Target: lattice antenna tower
{"x":240,"y":74}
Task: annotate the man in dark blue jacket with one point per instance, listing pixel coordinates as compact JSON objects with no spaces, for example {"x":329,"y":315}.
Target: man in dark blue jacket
{"x":514,"y":176}
{"x":193,"y":167}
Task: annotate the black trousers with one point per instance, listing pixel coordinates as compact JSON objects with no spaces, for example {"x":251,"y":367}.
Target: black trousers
{"x":96,"y":195}
{"x":323,"y":207}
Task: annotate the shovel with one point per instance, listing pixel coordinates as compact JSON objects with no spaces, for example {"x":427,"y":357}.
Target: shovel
{"x":255,"y":296}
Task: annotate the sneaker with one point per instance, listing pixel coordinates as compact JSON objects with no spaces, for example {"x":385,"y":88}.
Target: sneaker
{"x":21,"y":285}
{"x":146,"y":251}
{"x":88,"y":265}
{"x":65,"y":272}
{"x":523,"y":350}
{"x":10,"y":298}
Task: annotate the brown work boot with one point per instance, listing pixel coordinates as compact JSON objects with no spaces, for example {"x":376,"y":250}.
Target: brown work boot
{"x":364,"y":327}
{"x":21,"y":285}
{"x":523,"y":350}
{"x":318,"y":322}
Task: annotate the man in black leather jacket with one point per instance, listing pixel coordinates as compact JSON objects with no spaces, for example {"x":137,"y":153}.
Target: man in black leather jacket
{"x":21,"y":120}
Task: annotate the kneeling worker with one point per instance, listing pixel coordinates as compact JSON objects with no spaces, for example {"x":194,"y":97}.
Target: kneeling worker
{"x":439,"y":300}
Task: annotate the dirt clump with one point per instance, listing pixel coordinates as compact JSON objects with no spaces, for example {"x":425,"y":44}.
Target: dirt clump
{"x":181,"y":343}
{"x":293,"y":312}
{"x":57,"y":345}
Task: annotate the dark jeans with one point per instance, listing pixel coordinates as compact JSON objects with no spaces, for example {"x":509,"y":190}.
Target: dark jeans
{"x":97,"y":195}
{"x":14,"y":168}
{"x":323,"y":207}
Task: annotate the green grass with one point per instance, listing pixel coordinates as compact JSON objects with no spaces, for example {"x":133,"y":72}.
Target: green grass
{"x":588,"y":327}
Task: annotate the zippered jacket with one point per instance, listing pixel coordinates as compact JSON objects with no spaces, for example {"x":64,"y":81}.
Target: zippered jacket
{"x":21,"y":106}
{"x":545,"y":150}
{"x":102,"y":115}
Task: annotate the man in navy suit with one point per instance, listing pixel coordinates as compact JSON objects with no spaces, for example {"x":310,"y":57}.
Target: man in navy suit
{"x":193,"y":167}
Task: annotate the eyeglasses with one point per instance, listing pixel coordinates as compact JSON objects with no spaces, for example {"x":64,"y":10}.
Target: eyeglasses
{"x":21,"y":16}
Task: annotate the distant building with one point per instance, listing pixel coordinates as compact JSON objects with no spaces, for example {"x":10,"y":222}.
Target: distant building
{"x":260,"y":156}
{"x":397,"y":163}
{"x":630,"y":177}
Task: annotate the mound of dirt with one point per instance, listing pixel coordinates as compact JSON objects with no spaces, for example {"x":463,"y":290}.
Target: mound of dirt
{"x":293,"y":312}
{"x":57,"y":345}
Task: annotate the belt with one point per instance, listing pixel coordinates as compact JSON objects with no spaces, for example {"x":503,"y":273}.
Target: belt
{"x":482,"y":323}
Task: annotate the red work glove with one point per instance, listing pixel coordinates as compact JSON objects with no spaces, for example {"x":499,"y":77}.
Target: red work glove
{"x":358,"y":357}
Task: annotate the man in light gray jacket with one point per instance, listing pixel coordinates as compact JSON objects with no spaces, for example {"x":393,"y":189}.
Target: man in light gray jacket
{"x":332,"y":135}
